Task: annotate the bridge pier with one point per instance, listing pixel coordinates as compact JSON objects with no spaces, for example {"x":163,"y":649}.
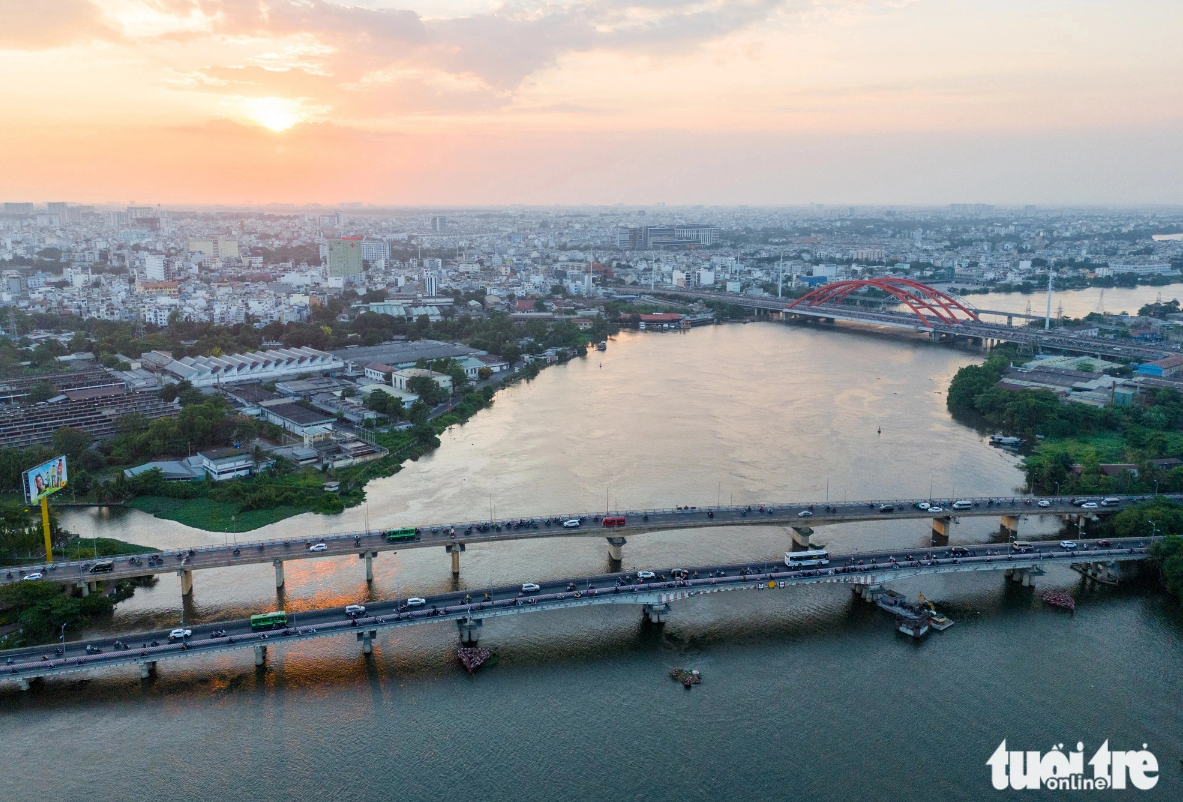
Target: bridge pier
{"x":1009,"y":526}
{"x":278,"y":573}
{"x":655,"y":613}
{"x":84,"y":587}
{"x":260,"y":655}
{"x":1024,"y":576}
{"x":23,"y":683}
{"x":186,"y":582}
{"x":367,"y":640}
{"x":801,"y":535}
{"x":470,"y":630}
{"x":940,"y":531}
{"x":615,"y":546}
{"x":370,"y":555}
{"x":454,"y":549}
{"x":147,"y":669}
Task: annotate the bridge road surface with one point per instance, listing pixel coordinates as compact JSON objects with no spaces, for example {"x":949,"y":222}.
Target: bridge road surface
{"x":637,"y":522}
{"x":872,"y":568}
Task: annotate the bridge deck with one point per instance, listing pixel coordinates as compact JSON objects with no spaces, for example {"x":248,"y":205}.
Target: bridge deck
{"x":469,"y":532}
{"x":867,"y":568}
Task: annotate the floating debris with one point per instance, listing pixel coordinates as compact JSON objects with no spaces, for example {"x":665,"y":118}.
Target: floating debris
{"x":1060,"y":598}
{"x":473,"y":657}
{"x":687,"y":678}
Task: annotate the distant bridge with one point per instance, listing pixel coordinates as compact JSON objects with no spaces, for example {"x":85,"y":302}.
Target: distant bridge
{"x":865,"y":572}
{"x":930,"y":311}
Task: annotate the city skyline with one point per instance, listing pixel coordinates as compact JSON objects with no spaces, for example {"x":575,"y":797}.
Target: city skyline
{"x":471,"y":103}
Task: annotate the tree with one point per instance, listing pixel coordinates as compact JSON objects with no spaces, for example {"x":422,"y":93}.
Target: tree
{"x":511,"y":353}
{"x":71,"y":442}
{"x":42,"y":391}
{"x":484,"y":374}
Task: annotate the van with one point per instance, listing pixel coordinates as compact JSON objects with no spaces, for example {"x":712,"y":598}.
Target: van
{"x":104,"y":567}
{"x":1020,"y":545}
{"x":1110,"y":501}
{"x":963,"y":504}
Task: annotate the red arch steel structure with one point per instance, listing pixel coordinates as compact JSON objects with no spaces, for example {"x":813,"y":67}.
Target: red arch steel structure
{"x":913,"y":294}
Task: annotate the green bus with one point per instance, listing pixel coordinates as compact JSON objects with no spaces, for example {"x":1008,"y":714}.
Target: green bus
{"x":402,"y":535}
{"x":269,"y":620}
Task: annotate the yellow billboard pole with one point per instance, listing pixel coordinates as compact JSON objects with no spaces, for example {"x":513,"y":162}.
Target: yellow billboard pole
{"x":45,"y":526}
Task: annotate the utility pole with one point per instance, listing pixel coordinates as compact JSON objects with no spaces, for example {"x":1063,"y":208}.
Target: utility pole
{"x":1047,"y":320}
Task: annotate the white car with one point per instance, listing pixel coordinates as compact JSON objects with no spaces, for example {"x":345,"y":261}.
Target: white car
{"x":354,"y":609}
{"x":1068,"y":544}
{"x":805,"y":514}
{"x":33,"y":577}
{"x":1044,"y":503}
{"x":318,"y":547}
{"x":571,"y":524}
{"x":178,"y":634}
{"x":936,"y":509}
{"x":415,"y":601}
{"x":1089,"y":505}
{"x":922,"y":505}
{"x":530,"y":587}
{"x":646,"y":575}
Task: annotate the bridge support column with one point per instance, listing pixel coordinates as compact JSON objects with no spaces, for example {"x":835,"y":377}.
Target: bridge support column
{"x":260,"y":655}
{"x":147,"y":669}
{"x":1009,"y":526}
{"x":940,"y":531}
{"x":454,"y":549}
{"x":186,"y":582}
{"x":370,"y":566}
{"x":801,"y":535}
{"x":23,"y":684}
{"x":615,"y":546}
{"x":868,"y":593}
{"x":278,"y":573}
{"x":367,"y":640}
{"x":84,"y":587}
{"x":470,"y":630}
{"x":655,"y":613}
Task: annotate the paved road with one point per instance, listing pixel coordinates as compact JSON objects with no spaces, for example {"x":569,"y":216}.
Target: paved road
{"x":864,"y":568}
{"x":636,"y":522}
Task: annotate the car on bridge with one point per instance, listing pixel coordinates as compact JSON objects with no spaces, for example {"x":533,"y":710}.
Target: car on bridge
{"x":179,"y":634}
{"x":530,"y":587}
{"x":354,"y":609}
{"x":1089,"y":505}
{"x":415,"y":601}
{"x":805,"y":514}
{"x":318,"y":547}
{"x":646,"y":575}
{"x":572,"y":523}
{"x":1044,"y":503}
{"x":886,"y":508}
{"x":1068,"y":545}
{"x":936,"y":509}
{"x":33,"y":577}
{"x":963,"y":504}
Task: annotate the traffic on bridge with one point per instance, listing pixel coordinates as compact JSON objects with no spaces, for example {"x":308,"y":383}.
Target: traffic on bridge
{"x":653,"y":589}
{"x":800,"y":517}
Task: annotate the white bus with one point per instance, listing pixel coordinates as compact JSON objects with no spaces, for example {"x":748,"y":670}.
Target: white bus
{"x":807,"y":559}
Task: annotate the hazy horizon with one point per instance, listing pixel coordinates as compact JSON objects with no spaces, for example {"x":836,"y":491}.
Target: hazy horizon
{"x":470,"y":102}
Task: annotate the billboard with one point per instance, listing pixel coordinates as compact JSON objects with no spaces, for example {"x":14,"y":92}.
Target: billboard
{"x":45,"y":480}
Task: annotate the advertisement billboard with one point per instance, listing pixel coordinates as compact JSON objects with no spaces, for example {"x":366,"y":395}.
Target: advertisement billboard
{"x":45,"y":480}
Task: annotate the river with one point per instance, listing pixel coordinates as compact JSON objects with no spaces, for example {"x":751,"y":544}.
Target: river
{"x":804,"y":695}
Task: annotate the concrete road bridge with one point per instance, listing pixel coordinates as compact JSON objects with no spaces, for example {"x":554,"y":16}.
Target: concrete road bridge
{"x":455,"y":536}
{"x":928,"y":311}
{"x":865,"y":572}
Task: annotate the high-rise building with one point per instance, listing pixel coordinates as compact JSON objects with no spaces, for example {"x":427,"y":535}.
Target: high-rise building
{"x":373,"y":250}
{"x":430,"y":284}
{"x":138,"y":212}
{"x":154,"y":267}
{"x":345,"y":257}
{"x":439,"y":224}
{"x":18,"y":208}
{"x":56,"y":207}
{"x":219,"y":248}
{"x":666,"y":236}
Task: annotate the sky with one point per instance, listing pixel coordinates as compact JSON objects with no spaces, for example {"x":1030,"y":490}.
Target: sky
{"x":478,"y":102}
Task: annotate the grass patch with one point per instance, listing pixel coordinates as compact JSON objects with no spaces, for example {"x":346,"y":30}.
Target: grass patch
{"x":85,"y":548}
{"x":212,"y":516}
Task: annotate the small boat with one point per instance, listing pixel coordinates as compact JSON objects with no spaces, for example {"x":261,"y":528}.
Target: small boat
{"x":940,"y":622}
{"x":916,"y":627}
{"x":1059,"y":598}
{"x":687,"y":678}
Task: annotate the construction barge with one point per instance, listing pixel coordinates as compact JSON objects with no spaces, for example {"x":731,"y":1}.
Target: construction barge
{"x":913,"y":619}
